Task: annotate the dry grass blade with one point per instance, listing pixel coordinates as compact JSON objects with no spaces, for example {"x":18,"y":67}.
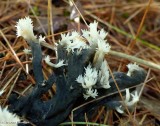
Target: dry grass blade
{"x":135,"y":59}
{"x":12,"y":86}
{"x":50,"y":21}
{"x":15,"y":55}
{"x":9,"y":81}
{"x":120,"y":94}
{"x":131,"y":45}
{"x":79,"y":13}
{"x":152,"y":105}
{"x":2,"y":70}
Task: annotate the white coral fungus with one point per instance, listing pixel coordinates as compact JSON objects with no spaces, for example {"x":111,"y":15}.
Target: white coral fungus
{"x":7,"y":118}
{"x":93,"y":34}
{"x":25,"y":28}
{"x":128,"y":100}
{"x":41,"y":39}
{"x":103,"y":47}
{"x":88,"y":81}
{"x":119,"y":109}
{"x":80,"y":79}
{"x":131,"y":68}
{"x":59,"y":64}
{"x":27,"y":51}
{"x":104,"y":75}
{"x":135,"y":98}
{"x":90,"y":77}
{"x":73,"y":41}
{"x":90,"y":93}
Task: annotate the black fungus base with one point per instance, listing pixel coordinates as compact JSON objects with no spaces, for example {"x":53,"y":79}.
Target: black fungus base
{"x":69,"y":93}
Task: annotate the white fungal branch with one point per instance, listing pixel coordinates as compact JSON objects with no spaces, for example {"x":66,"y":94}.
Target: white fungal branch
{"x":102,"y":34}
{"x":27,"y":51}
{"x":128,"y":101}
{"x":41,"y":39}
{"x":104,"y":75}
{"x":59,"y":64}
{"x":91,"y":77}
{"x":73,"y":41}
{"x":127,"y":96}
{"x":135,"y":98}
{"x":103,"y":47}
{"x":90,"y":93}
{"x":119,"y":109}
{"x":88,"y":81}
{"x":8,"y":118}
{"x":132,"y":67}
{"x":95,"y":38}
{"x":25,"y":28}
{"x":80,"y":79}
{"x":93,"y":34}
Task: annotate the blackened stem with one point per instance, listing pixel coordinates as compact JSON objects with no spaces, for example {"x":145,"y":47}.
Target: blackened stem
{"x":37,"y":66}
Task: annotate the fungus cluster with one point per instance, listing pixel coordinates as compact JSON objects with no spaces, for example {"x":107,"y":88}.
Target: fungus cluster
{"x":80,"y":70}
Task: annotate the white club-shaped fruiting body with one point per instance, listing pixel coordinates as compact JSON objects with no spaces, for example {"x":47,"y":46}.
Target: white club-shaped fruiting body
{"x":25,"y":28}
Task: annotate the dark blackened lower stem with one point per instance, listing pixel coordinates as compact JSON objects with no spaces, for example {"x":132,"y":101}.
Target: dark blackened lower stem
{"x":37,"y":66}
{"x":23,"y":105}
